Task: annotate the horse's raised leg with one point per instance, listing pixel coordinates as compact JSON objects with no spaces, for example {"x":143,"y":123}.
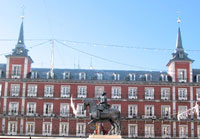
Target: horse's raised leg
{"x":113,"y":127}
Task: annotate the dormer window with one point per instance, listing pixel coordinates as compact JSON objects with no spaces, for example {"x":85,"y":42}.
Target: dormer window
{"x":180,"y":55}
{"x":164,"y":77}
{"x":131,"y":76}
{"x":99,"y":76}
{"x":34,"y":75}
{"x":148,"y":77}
{"x":1,"y":73}
{"x":116,"y":76}
{"x":50,"y":75}
{"x":16,"y":71}
{"x":198,"y":78}
{"x":66,"y":75}
{"x":182,"y":76}
{"x":82,"y":76}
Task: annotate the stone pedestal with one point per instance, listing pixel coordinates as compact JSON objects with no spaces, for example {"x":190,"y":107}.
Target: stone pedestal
{"x":105,"y":137}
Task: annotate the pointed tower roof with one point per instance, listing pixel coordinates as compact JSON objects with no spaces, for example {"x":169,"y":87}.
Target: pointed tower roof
{"x":21,"y":35}
{"x":179,"y":54}
{"x":20,"y":48}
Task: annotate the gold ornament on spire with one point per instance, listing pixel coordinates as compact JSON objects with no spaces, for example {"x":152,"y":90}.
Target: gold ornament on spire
{"x":178,"y":21}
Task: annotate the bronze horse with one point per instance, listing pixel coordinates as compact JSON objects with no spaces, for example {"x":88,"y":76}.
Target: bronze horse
{"x":109,"y":115}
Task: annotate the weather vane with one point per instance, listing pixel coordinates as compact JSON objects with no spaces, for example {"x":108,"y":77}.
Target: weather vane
{"x":178,"y":20}
{"x":22,"y":16}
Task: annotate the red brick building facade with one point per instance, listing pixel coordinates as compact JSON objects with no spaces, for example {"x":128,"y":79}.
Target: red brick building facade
{"x":36,"y":101}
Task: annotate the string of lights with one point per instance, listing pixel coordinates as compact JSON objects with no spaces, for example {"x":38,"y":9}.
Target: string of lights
{"x":105,"y":59}
{"x":105,"y":45}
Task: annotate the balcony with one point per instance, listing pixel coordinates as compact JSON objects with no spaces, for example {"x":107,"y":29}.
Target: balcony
{"x":164,"y":98}
{"x":32,"y":94}
{"x":116,"y":97}
{"x":82,"y":96}
{"x":48,"y":94}
{"x":182,"y":98}
{"x":65,"y":95}
{"x":149,"y":98}
{"x":14,"y":93}
{"x":13,"y":113}
{"x":132,"y":97}
{"x":148,"y":117}
{"x":15,"y":76}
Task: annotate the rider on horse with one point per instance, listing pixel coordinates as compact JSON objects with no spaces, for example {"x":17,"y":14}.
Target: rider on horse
{"x":103,"y":104}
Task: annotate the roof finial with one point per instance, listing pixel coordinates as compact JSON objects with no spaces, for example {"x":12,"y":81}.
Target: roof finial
{"x":22,"y":16}
{"x":178,"y":20}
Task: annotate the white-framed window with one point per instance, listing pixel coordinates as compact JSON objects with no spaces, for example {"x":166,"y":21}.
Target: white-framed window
{"x":183,"y":131}
{"x":82,"y":92}
{"x":64,"y":129}
{"x":116,"y":76}
{"x":50,"y":75}
{"x":132,"y":93}
{"x":149,"y":111}
{"x":116,"y":92}
{"x":198,"y":94}
{"x":198,"y":78}
{"x":47,"y":129}
{"x":182,"y":75}
{"x":34,"y":75}
{"x":198,"y":131}
{"x":181,"y":109}
{"x":30,"y":128}
{"x":13,"y":108}
{"x":132,"y":130}
{"x":66,"y":75}
{"x":116,"y":106}
{"x":65,"y":91}
{"x":32,"y":90}
{"x":64,"y":109}
{"x":16,"y":71}
{"x":82,"y":76}
{"x":164,"y":77}
{"x":131,"y":76}
{"x":12,"y":127}
{"x":149,"y":130}
{"x":48,"y":109}
{"x":14,"y":90}
{"x":0,"y":89}
{"x":182,"y":93}
{"x":166,"y":131}
{"x":99,"y":91}
{"x":80,"y":129}
{"x":165,"y":93}
{"x":165,"y":111}
{"x":99,"y":76}
{"x":80,"y":110}
{"x":48,"y":90}
{"x":132,"y":111}
{"x":31,"y":108}
{"x":149,"y":93}
{"x":148,"y":77}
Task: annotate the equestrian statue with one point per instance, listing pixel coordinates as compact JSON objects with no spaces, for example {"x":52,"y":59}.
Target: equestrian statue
{"x":103,"y":113}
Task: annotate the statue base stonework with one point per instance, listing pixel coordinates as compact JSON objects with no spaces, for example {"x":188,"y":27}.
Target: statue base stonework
{"x":105,"y":137}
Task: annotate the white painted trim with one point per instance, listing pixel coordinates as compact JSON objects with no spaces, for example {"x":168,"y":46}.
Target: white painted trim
{"x":25,"y":67}
{"x":7,"y":67}
{"x":5,"y":98}
{"x":191,"y":80}
{"x":174,"y":129}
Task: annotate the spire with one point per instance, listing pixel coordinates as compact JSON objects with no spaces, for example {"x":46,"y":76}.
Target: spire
{"x":179,"y":54}
{"x":21,"y":34}
{"x":179,"y":45}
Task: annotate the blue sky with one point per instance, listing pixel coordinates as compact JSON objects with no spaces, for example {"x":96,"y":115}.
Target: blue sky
{"x":140,"y":24}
